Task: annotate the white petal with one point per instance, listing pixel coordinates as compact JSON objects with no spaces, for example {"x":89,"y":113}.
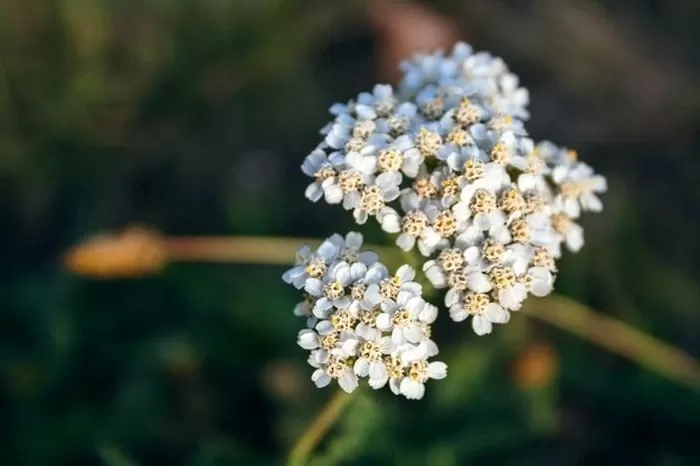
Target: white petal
{"x":384,"y":321}
{"x":307,"y":339}
{"x":452,"y":297}
{"x":372,"y":296}
{"x":377,"y":371}
{"x":390,"y":220}
{"x":478,"y":282}
{"x":328,"y":251}
{"x":342,"y":273}
{"x":406,"y":273}
{"x":405,"y":241}
{"x":433,"y":272}
{"x":414,"y":333}
{"x":592,"y":202}
{"x":458,"y":314}
{"x":361,"y":367}
{"x":376,"y":273}
{"x":512,"y":297}
{"x":496,"y":314}
{"x":353,"y":240}
{"x":349,"y":347}
{"x":360,"y":216}
{"x":412,"y":390}
{"x":437,"y":370}
{"x":291,"y":275}
{"x":355,"y":271}
{"x":314,"y":287}
{"x":574,"y":240}
{"x":378,"y":382}
{"x":429,"y":313}
{"x":481,"y":325}
{"x":413,"y":353}
{"x":348,"y":381}
{"x":395,"y":386}
{"x":351,"y":200}
{"x":368,"y":257}
{"x":332,"y":193}
{"x":313,"y":192}
{"x":320,"y":378}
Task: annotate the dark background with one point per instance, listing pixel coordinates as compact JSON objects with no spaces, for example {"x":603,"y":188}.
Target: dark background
{"x":193,"y":116}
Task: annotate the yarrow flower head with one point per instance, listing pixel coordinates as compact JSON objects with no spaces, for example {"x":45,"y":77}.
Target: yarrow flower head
{"x":363,"y":322}
{"x":444,"y":164}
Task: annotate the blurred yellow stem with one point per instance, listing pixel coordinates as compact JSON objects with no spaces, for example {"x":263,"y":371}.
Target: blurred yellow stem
{"x":617,"y":337}
{"x":244,"y":249}
{"x":323,"y":422}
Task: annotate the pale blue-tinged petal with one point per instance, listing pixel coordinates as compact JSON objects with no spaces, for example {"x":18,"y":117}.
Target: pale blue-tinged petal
{"x":314,"y":287}
{"x":320,"y":378}
{"x":313,"y":192}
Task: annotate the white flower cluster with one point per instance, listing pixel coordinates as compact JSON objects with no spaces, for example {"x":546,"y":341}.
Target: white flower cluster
{"x":446,"y":164}
{"x":363,"y":322}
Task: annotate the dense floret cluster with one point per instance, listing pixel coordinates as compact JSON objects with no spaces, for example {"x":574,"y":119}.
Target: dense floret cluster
{"x":445,"y":164}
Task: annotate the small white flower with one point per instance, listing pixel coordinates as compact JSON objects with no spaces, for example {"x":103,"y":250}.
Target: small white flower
{"x":512,"y":99}
{"x":322,"y":167}
{"x":450,"y":185}
{"x":401,"y":156}
{"x":349,"y":249}
{"x":484,"y":253}
{"x":338,"y":369}
{"x":578,"y":186}
{"x":532,"y":229}
{"x":371,"y":361}
{"x":483,"y":311}
{"x":403,"y":322}
{"x":403,"y":120}
{"x":413,"y":385}
{"x":382,"y":100}
{"x":386,"y":292}
{"x":541,"y":281}
{"x":480,"y":205}
{"x":448,"y":261}
{"x":373,"y":200}
{"x":415,"y":227}
{"x":311,"y":264}
{"x":422,"y":194}
{"x":507,"y":288}
{"x":566,"y":231}
{"x":332,"y":291}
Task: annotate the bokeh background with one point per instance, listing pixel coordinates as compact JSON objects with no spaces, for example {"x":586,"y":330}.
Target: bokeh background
{"x":192,"y":116}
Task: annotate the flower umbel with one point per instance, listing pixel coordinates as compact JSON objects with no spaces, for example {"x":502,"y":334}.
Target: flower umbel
{"x":362,"y":322}
{"x":445,"y":164}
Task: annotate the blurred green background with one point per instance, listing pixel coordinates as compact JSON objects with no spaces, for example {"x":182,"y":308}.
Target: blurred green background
{"x":193,"y":116}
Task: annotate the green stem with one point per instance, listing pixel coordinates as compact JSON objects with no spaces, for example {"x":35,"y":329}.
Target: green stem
{"x":324,"y":420}
{"x":617,"y":337}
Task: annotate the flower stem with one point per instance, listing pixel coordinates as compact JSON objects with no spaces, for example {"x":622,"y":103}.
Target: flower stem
{"x":325,"y":419}
{"x":617,"y":337}
{"x":244,"y":249}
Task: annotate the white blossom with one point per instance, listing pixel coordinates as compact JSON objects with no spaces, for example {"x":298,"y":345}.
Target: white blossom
{"x":445,"y":166}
